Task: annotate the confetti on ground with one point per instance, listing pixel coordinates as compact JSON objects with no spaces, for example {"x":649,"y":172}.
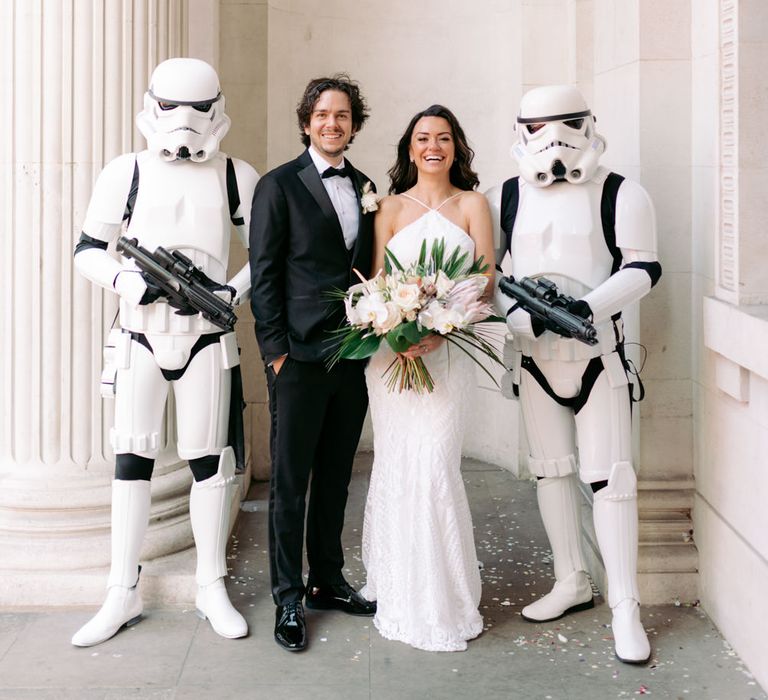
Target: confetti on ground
{"x":690,"y":658}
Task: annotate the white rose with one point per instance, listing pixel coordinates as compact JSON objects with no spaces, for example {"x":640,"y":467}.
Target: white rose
{"x":369,"y":200}
{"x":406,"y":296}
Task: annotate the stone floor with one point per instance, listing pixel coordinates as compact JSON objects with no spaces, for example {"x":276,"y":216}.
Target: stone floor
{"x":172,"y":654}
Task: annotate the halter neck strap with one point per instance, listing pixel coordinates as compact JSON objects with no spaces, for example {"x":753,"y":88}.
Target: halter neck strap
{"x":437,"y":208}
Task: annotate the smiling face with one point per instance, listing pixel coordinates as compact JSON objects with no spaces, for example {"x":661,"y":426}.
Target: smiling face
{"x":432,"y":149}
{"x":330,"y":125}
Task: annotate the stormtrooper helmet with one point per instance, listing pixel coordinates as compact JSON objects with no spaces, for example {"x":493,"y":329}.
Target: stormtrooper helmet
{"x":183,"y":116}
{"x":556,"y":137}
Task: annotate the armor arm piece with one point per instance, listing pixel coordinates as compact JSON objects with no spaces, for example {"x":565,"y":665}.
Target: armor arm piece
{"x":241,"y":283}
{"x":630,"y":284}
{"x":98,"y":266}
{"x":103,"y":222}
{"x":636,"y":238}
{"x":247,"y":178}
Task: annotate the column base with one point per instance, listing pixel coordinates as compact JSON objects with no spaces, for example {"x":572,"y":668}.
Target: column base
{"x":167,"y":578}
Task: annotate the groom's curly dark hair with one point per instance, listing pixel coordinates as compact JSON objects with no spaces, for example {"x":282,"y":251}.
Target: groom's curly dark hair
{"x":341,"y":82}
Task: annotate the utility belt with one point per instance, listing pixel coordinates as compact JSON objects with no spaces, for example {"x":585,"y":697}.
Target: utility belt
{"x":117,"y":355}
{"x":614,"y":363}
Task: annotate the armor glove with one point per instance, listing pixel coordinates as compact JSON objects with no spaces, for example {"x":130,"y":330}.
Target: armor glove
{"x":130,"y":285}
{"x":226,"y":292}
{"x":153,"y":292}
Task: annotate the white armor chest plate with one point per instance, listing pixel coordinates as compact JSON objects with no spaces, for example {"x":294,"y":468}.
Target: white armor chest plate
{"x":558,"y":234}
{"x":180,"y":206}
{"x":183,"y":206}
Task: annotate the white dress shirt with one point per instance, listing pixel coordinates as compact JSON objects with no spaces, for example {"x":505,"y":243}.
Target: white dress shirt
{"x":341,"y":191}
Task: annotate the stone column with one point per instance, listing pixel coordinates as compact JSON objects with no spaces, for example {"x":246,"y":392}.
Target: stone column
{"x":73,"y":76}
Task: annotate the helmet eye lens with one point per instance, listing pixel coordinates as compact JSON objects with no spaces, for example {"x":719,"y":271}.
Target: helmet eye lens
{"x":201,"y":107}
{"x":574,"y":123}
{"x":533,"y":128}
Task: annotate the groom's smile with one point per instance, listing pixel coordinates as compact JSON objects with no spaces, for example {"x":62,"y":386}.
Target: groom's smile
{"x":330,"y":125}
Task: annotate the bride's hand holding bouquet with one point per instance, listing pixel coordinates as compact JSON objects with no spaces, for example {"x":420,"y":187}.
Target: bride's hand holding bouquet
{"x":414,"y":309}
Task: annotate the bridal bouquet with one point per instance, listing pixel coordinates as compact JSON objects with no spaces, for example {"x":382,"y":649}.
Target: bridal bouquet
{"x":436,"y":294}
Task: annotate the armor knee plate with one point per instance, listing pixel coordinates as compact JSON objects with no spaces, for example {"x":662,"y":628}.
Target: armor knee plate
{"x":561,"y":466}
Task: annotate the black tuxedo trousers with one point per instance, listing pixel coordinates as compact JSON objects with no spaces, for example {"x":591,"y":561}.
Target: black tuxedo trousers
{"x":317,"y":416}
{"x":298,"y":255}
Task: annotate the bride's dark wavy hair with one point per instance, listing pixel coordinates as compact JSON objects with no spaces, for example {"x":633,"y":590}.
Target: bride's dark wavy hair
{"x":403,"y":174}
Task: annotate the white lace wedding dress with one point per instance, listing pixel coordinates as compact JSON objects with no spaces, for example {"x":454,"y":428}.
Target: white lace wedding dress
{"x":418,"y":545}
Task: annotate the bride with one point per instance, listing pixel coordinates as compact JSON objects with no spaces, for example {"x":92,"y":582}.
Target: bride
{"x":418,"y":546}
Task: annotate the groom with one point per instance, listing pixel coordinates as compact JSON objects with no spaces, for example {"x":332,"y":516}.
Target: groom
{"x":308,"y":232}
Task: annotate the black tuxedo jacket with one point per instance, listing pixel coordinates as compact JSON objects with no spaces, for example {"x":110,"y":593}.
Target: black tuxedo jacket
{"x":297,"y":255}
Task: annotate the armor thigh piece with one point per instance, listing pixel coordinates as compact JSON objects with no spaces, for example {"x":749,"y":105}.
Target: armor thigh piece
{"x":592,"y":395}
{"x":550,"y":431}
{"x":140,"y":396}
{"x":604,"y":425}
{"x":202,"y":404}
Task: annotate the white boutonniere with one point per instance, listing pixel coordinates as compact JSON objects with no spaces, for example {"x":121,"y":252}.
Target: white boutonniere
{"x":369,"y":200}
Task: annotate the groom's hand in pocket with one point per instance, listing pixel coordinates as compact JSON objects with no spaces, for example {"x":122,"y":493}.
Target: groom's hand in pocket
{"x":278,"y":363}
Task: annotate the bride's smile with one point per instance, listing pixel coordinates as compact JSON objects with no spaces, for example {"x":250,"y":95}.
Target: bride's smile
{"x":432,"y":149}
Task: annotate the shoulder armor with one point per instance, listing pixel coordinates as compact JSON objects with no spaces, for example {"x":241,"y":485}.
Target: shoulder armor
{"x":635,"y":218}
{"x":110,"y":193}
{"x":247,"y":177}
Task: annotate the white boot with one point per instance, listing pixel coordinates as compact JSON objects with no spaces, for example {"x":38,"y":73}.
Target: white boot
{"x":123,"y":606}
{"x":209,"y":512}
{"x":615,"y":515}
{"x":558,"y":499}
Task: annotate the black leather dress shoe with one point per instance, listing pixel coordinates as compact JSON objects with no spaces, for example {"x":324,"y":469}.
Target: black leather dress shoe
{"x":290,"y":628}
{"x":339,"y":597}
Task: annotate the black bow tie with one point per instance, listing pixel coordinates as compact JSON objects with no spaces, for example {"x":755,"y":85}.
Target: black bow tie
{"x":335,"y":172}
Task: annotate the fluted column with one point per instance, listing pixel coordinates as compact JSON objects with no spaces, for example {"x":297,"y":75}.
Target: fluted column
{"x":73,"y":76}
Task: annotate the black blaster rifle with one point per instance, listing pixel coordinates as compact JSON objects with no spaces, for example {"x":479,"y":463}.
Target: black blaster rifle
{"x":187,"y":287}
{"x":540,"y":298}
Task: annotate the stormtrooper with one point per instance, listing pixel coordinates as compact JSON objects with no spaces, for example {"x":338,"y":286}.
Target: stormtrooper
{"x":593,"y":234}
{"x":183,"y":194}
